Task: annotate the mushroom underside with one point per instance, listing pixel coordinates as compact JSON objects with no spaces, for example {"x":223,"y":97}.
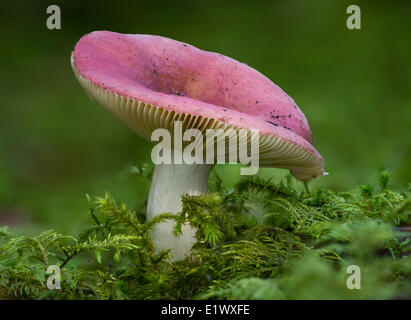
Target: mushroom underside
{"x":143,"y":118}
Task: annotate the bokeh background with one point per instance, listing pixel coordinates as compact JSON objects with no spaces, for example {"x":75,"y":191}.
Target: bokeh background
{"x":56,"y":145}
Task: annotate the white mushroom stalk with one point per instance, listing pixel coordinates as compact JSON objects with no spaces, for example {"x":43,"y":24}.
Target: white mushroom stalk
{"x":169,"y":183}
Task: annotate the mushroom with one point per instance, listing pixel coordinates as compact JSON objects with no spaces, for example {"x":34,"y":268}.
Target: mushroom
{"x":150,"y":82}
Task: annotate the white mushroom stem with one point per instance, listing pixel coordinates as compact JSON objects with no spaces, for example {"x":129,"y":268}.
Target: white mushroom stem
{"x":169,"y":182}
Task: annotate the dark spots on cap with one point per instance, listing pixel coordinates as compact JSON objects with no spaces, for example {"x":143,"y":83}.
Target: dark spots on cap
{"x":275,"y":117}
{"x":256,"y":102}
{"x":177,"y":92}
{"x":272,"y":123}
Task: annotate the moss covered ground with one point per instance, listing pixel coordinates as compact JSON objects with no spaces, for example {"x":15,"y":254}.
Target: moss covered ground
{"x":257,"y":240}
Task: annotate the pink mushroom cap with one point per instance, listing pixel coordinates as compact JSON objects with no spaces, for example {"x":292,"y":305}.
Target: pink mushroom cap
{"x":125,"y":72}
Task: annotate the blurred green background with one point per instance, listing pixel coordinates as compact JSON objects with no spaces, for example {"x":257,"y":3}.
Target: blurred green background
{"x":56,"y":145}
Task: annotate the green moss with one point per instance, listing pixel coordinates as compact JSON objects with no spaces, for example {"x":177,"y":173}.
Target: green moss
{"x":258,"y":240}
